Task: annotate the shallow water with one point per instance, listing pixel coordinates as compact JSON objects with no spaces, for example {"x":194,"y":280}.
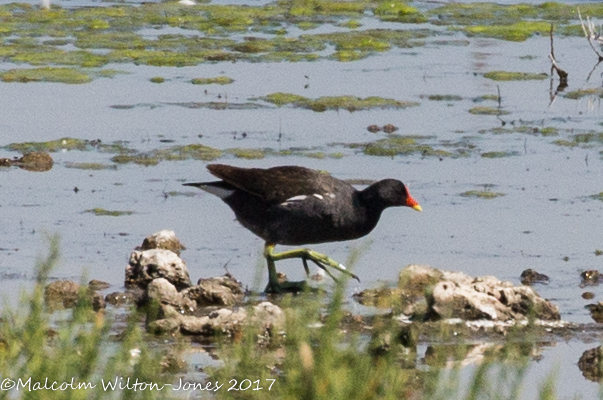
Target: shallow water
{"x":545,"y":215}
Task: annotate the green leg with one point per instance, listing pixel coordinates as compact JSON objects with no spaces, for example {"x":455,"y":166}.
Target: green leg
{"x":321,"y":260}
{"x":274,"y":286}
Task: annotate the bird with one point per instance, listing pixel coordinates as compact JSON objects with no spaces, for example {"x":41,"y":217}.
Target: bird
{"x":293,"y":205}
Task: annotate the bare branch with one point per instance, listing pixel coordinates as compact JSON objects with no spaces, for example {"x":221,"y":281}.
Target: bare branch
{"x":590,"y":33}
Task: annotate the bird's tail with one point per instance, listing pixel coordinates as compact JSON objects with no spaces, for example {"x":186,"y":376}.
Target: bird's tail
{"x":219,"y":188}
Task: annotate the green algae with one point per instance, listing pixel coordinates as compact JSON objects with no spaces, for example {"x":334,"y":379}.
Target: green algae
{"x":482,"y":194}
{"x":351,"y":24}
{"x":175,"y":153}
{"x":50,"y":146}
{"x":492,"y":13}
{"x":109,"y":73}
{"x":114,"y":30}
{"x":157,"y":79}
{"x":498,"y":154}
{"x":349,"y":103}
{"x":102,"y":212}
{"x":485,"y":97}
{"x":45,"y":74}
{"x":514,"y":76}
{"x":248,"y":154}
{"x":349,"y":55}
{"x":90,"y":166}
{"x":580,"y":93}
{"x":526,"y":129}
{"x":487,"y":111}
{"x":310,"y":9}
{"x":598,"y":196}
{"x":444,"y":97}
{"x":219,"y":80}
{"x":395,"y":145}
{"x":46,"y":56}
{"x":585,"y":140}
{"x":399,"y":11}
{"x":374,"y":40}
{"x":517,"y":32}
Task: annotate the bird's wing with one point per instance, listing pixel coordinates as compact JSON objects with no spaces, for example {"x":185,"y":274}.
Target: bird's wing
{"x":274,"y":185}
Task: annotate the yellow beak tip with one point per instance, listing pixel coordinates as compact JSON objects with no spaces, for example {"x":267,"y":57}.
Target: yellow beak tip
{"x":418,"y":208}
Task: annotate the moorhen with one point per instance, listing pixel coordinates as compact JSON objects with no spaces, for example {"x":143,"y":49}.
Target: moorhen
{"x":293,"y":205}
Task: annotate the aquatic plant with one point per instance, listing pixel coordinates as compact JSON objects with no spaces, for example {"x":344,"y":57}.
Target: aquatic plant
{"x":219,"y":80}
{"x":487,"y":111}
{"x":482,"y":194}
{"x":50,"y":146}
{"x":45,"y":74}
{"x":514,"y":76}
{"x":499,"y":154}
{"x":101,"y":212}
{"x":349,"y":103}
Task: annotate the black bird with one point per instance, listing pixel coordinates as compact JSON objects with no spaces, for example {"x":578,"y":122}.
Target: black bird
{"x":293,"y":205}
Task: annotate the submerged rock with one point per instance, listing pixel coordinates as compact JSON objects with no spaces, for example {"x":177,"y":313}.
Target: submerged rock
{"x":36,"y":161}
{"x":164,"y":239}
{"x":225,"y":321}
{"x":95,"y":284}
{"x":65,"y":294}
{"x":221,"y":291}
{"x":596,"y":311}
{"x":147,"y":265}
{"x":530,"y":276}
{"x":429,"y":294}
{"x":119,"y":298}
{"x":590,"y":278}
{"x":389,"y":128}
{"x":590,"y":364}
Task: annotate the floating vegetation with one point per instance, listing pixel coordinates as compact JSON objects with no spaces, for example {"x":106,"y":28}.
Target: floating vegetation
{"x":598,"y":196}
{"x":90,"y":166}
{"x":101,"y":212}
{"x":589,"y":139}
{"x":578,"y":94}
{"x":395,"y":145}
{"x":219,"y":80}
{"x":349,"y":103}
{"x":491,"y":13}
{"x":514,"y":76}
{"x":175,"y":153}
{"x":111,"y":34}
{"x":51,"y":146}
{"x":527,"y":129}
{"x":499,"y":154}
{"x":157,"y":79}
{"x":485,"y":97}
{"x":487,"y":111}
{"x":444,"y":97}
{"x":399,"y":11}
{"x":482,"y":194}
{"x":249,"y":154}
{"x":45,"y":74}
{"x":517,"y":32}
{"x":351,"y":24}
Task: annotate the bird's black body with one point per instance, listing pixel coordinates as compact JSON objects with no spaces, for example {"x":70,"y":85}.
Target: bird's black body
{"x":295,"y":205}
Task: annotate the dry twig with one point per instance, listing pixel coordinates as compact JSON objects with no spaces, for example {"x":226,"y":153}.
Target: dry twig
{"x":590,"y":33}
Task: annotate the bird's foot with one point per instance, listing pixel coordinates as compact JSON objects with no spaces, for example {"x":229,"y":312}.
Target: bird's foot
{"x":321,"y":260}
{"x":286,"y":287}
